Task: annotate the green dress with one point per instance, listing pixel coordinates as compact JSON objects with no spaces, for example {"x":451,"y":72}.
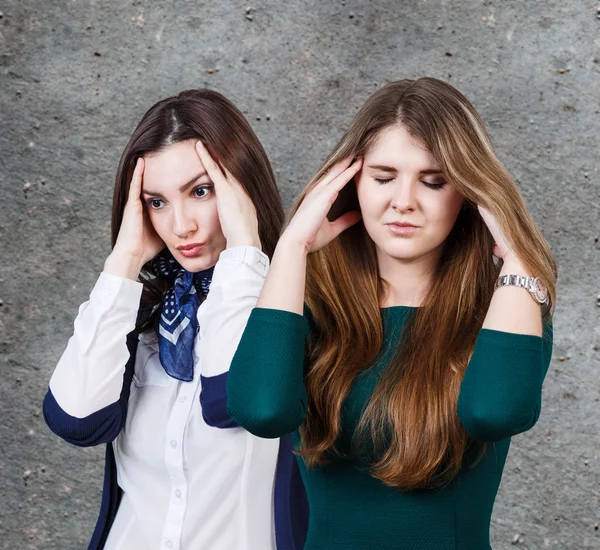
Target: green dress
{"x":500,"y":396}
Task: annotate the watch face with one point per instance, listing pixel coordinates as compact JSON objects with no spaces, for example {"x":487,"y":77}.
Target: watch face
{"x":541,"y":292}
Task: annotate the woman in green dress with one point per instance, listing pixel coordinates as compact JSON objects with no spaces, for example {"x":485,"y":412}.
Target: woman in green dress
{"x":404,"y":330}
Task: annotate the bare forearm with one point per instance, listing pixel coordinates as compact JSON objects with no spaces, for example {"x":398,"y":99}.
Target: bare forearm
{"x":512,"y":308}
{"x":124,"y":265}
{"x":285,"y":284}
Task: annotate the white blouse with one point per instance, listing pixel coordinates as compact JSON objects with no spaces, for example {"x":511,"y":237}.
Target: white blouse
{"x":186,"y":485}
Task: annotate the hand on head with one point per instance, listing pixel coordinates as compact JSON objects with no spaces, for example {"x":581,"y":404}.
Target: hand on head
{"x":501,"y":248}
{"x":137,"y":242}
{"x":237,"y":213}
{"x":310,"y":227}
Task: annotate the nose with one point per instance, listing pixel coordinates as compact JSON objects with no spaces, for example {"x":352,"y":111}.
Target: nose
{"x":404,"y":198}
{"x":184,"y":223}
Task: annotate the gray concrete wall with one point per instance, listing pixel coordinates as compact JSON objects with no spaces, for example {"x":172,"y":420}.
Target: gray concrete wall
{"x":75,"y":77}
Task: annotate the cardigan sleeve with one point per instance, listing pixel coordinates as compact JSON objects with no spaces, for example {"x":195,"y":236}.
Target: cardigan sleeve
{"x":86,"y":399}
{"x":266,"y":390}
{"x":237,"y":280}
{"x":501,"y":393}
{"x":102,"y":426}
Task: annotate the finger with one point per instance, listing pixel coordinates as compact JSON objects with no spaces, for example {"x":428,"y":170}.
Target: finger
{"x":233,"y":182}
{"x":218,"y":176}
{"x":484,"y":212}
{"x":342,"y":179}
{"x":335,"y":171}
{"x":488,"y":219}
{"x":211,"y":167}
{"x":501,"y":246}
{"x":135,"y":187}
{"x":344,"y":222}
{"x":492,"y":224}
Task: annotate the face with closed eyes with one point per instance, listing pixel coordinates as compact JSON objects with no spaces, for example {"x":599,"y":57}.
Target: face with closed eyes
{"x":181,"y":204}
{"x":408,"y":205}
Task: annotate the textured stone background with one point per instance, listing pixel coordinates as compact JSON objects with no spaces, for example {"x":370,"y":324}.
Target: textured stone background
{"x":76,"y":76}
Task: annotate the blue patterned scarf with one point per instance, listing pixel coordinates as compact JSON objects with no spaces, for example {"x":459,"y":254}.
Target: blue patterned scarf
{"x":177,"y":325}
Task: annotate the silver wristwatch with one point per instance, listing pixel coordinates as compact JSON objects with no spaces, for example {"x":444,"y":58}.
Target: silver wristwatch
{"x":535,"y":287}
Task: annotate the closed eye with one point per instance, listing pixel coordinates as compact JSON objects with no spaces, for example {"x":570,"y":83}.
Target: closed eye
{"x":433,"y":185}
{"x":383,"y":181}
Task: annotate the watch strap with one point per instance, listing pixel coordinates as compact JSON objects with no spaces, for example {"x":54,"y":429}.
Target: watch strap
{"x":528,"y":283}
{"x":515,"y":280}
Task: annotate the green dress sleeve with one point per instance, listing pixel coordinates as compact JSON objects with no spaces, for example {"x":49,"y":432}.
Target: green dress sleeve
{"x":265,"y":387}
{"x":501,"y":393}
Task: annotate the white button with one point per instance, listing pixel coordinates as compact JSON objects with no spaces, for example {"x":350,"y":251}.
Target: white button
{"x":173,"y":443}
{"x":178,"y":493}
{"x":169,"y":544}
{"x":182,"y":399}
{"x":259,"y":258}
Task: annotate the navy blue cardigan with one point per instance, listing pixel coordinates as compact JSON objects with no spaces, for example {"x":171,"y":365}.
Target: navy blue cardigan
{"x":103,"y":426}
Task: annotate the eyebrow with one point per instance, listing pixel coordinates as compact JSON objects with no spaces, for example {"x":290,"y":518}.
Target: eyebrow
{"x":392,"y":170}
{"x":382,"y":168}
{"x":182,"y":189}
{"x":433,"y":171}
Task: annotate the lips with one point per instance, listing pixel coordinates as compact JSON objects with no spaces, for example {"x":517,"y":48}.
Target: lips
{"x":402,"y":229}
{"x":190,"y":250}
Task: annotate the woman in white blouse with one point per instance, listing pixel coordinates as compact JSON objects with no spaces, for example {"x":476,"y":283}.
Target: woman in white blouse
{"x":196,"y":216}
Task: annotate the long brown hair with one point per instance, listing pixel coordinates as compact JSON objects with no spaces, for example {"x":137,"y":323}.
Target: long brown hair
{"x":411,"y":420}
{"x":208,"y":116}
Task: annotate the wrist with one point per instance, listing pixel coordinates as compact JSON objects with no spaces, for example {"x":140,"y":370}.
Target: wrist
{"x":244,"y":240}
{"x":292,"y":245}
{"x":123,"y":265}
{"x":514,"y":266}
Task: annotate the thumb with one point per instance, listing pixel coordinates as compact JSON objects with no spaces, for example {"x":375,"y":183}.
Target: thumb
{"x":339,"y":225}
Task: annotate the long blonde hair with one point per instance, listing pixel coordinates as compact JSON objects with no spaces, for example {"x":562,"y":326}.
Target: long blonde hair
{"x":411,"y":419}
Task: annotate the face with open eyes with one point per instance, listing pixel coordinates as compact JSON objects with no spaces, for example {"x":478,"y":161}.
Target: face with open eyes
{"x":408,"y":205}
{"x":181,"y":204}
